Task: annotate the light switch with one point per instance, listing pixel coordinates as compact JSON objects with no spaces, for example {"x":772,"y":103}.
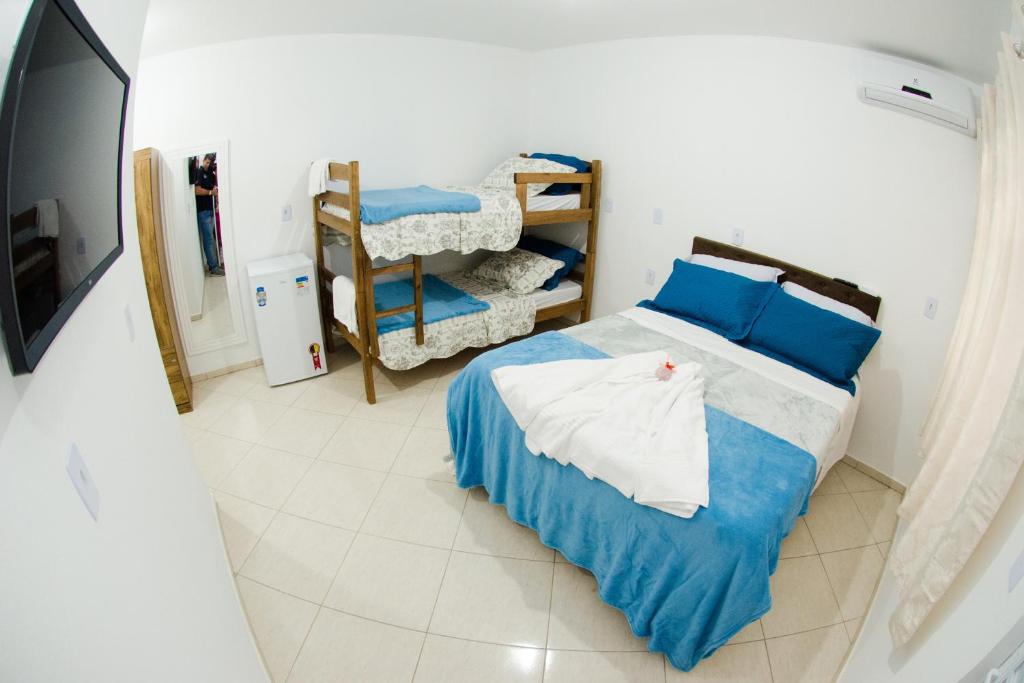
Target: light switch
{"x":737,"y":237}
{"x":83,"y":483}
{"x":608,"y":204}
{"x":650,"y":276}
{"x":80,"y":246}
{"x":286,"y":213}
{"x":659,"y":217}
{"x":129,"y":322}
{"x":931,"y":307}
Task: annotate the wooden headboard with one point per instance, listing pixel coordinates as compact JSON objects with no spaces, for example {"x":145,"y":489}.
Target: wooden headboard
{"x":817,"y":282}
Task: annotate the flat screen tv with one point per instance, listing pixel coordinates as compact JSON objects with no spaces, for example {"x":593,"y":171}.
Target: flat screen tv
{"x":61,"y":136}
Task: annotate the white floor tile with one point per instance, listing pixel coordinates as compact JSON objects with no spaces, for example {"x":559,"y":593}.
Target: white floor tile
{"x":417,"y":511}
{"x":487,"y":529}
{"x":207,"y":407}
{"x":812,"y":657}
{"x":832,"y":483}
{"x":879,"y":511}
{"x":266,"y":476}
{"x":423,"y":455}
{"x":855,"y":480}
{"x":853,"y":628}
{"x":450,"y":660}
{"x":247,"y":420}
{"x":603,"y":667}
{"x":298,"y":556}
{"x":300,"y":431}
{"x":217,"y":455}
{"x":853,"y":575}
{"x":365,"y":443}
{"x":580,"y":620}
{"x":330,"y":395}
{"x":750,"y":632}
{"x":494,"y":599}
{"x":279,"y":622}
{"x":389,"y":581}
{"x":799,"y":542}
{"x":402,"y":407}
{"x":342,"y":648}
{"x":192,"y":434}
{"x":335,"y":494}
{"x":236,"y":383}
{"x":435,"y":411}
{"x":835,"y":524}
{"x":884,"y":548}
{"x":284,"y":394}
{"x":242,"y":523}
{"x":741,"y":663}
{"x":802,"y":598}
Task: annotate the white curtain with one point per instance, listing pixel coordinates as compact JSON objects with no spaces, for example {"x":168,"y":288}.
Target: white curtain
{"x":973,"y":439}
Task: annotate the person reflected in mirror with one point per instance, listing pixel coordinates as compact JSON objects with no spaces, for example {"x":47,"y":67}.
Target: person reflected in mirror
{"x":206,"y":191}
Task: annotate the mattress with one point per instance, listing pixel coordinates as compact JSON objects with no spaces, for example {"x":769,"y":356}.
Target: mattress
{"x":567,"y":290}
{"x":553,"y":202}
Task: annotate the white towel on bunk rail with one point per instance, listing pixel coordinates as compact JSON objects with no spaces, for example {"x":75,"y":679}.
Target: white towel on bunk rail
{"x":319,"y":174}
{"x":616,"y":421}
{"x":343,"y":292}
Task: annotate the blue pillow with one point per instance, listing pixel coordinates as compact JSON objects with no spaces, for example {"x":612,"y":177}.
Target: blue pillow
{"x":580,"y":165}
{"x":824,"y":344}
{"x":567,"y":255}
{"x":722,"y":302}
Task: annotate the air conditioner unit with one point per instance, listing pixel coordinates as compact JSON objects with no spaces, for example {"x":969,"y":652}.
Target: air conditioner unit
{"x":919,"y":92}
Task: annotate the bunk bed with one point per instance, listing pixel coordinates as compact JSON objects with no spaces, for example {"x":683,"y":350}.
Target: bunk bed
{"x":509,"y":313}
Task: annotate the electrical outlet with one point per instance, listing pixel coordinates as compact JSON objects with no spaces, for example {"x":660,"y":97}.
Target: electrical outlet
{"x":737,"y":237}
{"x":608,"y":204}
{"x":129,"y":322}
{"x":80,"y":246}
{"x":286,"y":213}
{"x":83,"y":482}
{"x":931,"y":307}
{"x":659,"y":217}
{"x":650,"y":276}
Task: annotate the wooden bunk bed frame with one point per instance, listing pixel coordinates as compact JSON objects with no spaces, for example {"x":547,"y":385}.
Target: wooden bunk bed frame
{"x":365,"y":339}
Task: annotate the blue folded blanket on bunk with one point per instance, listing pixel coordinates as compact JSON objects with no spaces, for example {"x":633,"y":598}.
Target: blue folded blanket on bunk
{"x":440,"y":302}
{"x":688,"y":584}
{"x":379,"y":206}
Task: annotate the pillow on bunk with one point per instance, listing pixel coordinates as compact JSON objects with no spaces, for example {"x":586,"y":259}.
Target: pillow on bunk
{"x":722,"y":302}
{"x":819,"y":342}
{"x":504,"y":176}
{"x":519,"y":270}
{"x":754,"y":271}
{"x":553,"y":250}
{"x":580,"y":165}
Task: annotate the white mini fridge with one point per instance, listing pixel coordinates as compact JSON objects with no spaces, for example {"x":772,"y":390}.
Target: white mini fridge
{"x":286,"y":307}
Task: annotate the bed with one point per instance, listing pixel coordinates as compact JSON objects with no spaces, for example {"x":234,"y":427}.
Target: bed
{"x":505,"y":214}
{"x":689,"y":585}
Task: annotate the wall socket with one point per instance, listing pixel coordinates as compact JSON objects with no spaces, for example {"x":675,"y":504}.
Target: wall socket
{"x":83,"y":482}
{"x":129,"y":322}
{"x":659,"y":217}
{"x":737,"y":237}
{"x":650,"y":276}
{"x":931,"y":307}
{"x":608,"y":204}
{"x":286,"y":213}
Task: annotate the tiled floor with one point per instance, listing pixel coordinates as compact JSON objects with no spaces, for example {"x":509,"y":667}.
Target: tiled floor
{"x":358,"y":559}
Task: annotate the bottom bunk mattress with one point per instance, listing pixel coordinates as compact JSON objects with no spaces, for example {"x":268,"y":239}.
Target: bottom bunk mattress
{"x":689,"y":585}
{"x":508,"y":315}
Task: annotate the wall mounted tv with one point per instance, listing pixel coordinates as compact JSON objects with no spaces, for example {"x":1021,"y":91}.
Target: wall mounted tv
{"x":61,"y":135}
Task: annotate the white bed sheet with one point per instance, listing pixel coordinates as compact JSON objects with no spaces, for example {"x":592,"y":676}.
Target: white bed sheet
{"x":567,"y":290}
{"x":797,"y":380}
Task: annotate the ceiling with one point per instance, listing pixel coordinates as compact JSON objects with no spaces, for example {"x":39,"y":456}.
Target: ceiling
{"x":960,"y":36}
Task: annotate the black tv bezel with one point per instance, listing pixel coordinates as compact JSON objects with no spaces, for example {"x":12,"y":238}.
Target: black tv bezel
{"x":25,"y":357}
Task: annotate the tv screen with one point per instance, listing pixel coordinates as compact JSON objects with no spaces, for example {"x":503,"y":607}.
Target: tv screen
{"x":61,"y":131}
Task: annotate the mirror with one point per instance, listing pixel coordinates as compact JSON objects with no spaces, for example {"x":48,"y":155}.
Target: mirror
{"x":200,"y":248}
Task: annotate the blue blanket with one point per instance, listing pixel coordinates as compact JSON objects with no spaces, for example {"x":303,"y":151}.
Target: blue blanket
{"x":688,"y":584}
{"x":440,"y":302}
{"x":378,"y":206}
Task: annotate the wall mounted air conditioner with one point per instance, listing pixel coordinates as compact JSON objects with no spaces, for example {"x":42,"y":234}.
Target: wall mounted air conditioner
{"x":919,"y":92}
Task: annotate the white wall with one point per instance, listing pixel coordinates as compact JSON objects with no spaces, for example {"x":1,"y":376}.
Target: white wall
{"x":767,"y":135}
{"x":145,"y":593}
{"x":410,"y":110}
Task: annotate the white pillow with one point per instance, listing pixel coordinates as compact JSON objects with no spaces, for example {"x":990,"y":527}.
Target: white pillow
{"x":822,"y":301}
{"x":520,"y":270}
{"x":504,"y":175}
{"x":749,"y":270}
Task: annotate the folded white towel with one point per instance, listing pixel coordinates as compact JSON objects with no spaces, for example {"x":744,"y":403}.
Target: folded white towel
{"x":615,"y":420}
{"x":343,"y":292}
{"x":48,"y":217}
{"x":319,"y":174}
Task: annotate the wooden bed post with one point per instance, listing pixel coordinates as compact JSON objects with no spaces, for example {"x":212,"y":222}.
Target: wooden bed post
{"x":363,"y":277}
{"x":591,"y":261}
